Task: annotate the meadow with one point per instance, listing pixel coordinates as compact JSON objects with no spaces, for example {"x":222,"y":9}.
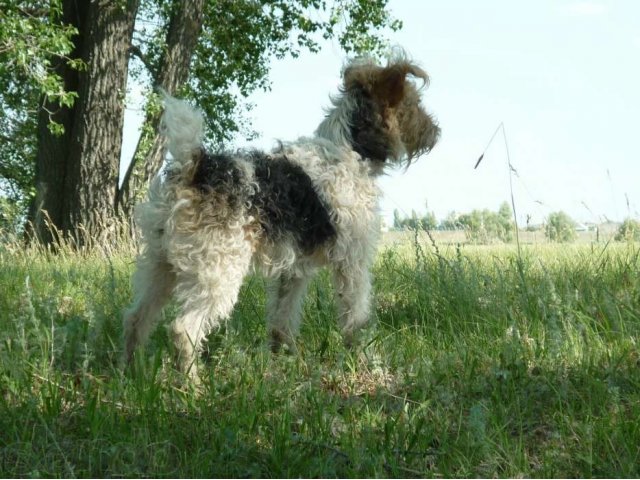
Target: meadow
{"x":479,"y":362}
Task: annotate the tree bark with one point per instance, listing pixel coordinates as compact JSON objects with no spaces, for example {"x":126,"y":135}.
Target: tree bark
{"x":77,"y":174}
{"x":173,"y":71}
{"x":46,"y":212}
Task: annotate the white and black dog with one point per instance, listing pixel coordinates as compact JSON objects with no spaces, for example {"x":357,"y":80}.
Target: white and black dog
{"x":212,"y":217}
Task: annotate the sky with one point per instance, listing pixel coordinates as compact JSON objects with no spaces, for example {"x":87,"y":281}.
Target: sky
{"x":562,"y":77}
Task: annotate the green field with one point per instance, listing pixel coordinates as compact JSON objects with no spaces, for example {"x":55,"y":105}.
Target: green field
{"x":480,"y":362}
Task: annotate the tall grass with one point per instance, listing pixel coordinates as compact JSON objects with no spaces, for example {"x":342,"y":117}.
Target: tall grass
{"x":480,"y":362}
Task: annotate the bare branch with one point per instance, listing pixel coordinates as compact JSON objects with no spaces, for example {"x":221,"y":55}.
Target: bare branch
{"x":34,"y":12}
{"x":135,"y":51}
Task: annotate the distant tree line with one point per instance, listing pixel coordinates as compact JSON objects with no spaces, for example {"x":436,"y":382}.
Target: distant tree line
{"x":480,"y":226}
{"x":485,"y":226}
{"x":414,"y":222}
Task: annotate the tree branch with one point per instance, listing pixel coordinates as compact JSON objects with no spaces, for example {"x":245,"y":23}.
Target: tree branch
{"x":135,"y":51}
{"x":33,"y":12}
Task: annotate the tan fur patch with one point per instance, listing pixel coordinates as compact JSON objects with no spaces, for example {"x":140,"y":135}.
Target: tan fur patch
{"x":412,"y":131}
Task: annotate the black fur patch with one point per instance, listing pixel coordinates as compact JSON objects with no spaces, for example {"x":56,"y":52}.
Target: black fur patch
{"x":285,"y":202}
{"x":288,"y":203}
{"x":220,"y":173}
{"x":368,"y":134}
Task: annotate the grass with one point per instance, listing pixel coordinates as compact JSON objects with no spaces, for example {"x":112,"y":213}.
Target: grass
{"x":479,"y":363}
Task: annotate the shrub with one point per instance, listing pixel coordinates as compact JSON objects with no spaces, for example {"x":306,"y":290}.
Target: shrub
{"x":484,"y":226}
{"x":11,"y":219}
{"x":629,"y":231}
{"x":560,"y":227}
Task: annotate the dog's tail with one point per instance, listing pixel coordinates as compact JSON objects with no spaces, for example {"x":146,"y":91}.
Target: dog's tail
{"x":182,"y":124}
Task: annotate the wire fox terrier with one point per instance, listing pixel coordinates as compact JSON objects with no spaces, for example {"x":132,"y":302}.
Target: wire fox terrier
{"x":211,"y":217}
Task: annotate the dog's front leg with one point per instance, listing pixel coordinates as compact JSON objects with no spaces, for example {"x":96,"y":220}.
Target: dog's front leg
{"x":353,"y":297}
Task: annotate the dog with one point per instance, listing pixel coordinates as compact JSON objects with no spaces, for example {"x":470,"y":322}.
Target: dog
{"x":210,"y":218}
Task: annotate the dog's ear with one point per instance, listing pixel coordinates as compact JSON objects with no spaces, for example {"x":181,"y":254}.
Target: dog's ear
{"x":389,"y":83}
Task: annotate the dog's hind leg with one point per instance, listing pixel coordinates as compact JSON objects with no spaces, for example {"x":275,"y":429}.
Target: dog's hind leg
{"x":284,"y":309}
{"x":207,"y":288}
{"x":153,"y":283}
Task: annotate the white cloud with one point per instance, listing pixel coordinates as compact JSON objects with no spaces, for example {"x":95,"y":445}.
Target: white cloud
{"x":585,"y":8}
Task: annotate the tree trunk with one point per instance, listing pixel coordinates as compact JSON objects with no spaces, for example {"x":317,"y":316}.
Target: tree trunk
{"x":46,"y":212}
{"x":77,"y":180}
{"x":184,"y":29}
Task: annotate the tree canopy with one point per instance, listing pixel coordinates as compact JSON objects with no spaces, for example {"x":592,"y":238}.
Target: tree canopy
{"x":30,"y":38}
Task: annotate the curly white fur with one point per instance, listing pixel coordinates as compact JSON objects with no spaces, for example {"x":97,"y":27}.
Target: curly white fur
{"x":183,"y":126}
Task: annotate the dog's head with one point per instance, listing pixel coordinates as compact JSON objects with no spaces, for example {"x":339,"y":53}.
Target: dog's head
{"x":379,"y":112}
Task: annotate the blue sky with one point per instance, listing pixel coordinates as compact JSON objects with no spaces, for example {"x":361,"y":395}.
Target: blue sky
{"x":563,"y":77}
